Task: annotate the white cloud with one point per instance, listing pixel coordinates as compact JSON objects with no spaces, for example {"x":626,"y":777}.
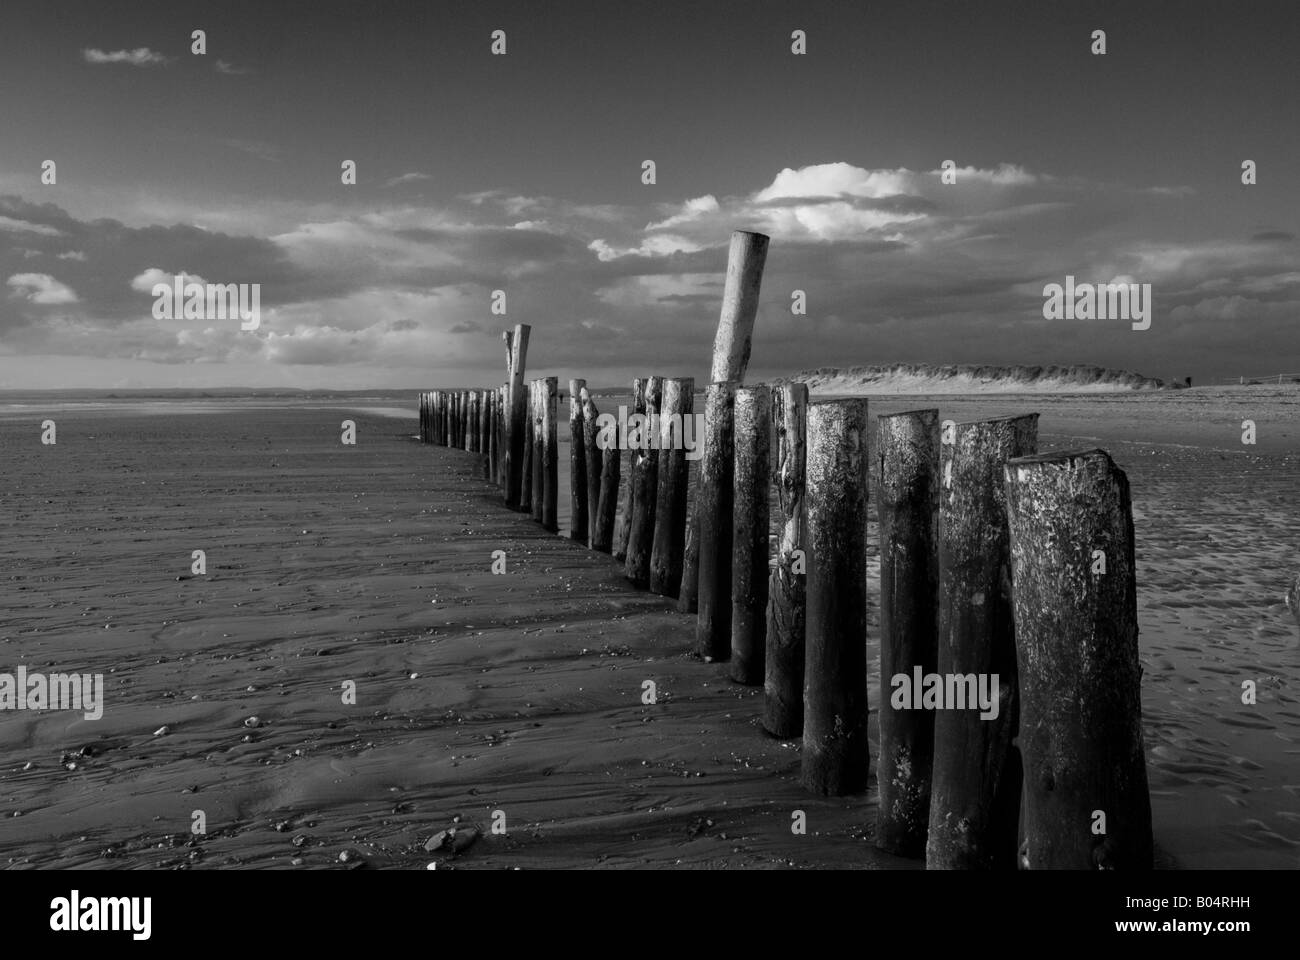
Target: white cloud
{"x":9,"y":223}
{"x":691,"y":210}
{"x":145,"y":281}
{"x":660,"y":245}
{"x":41,"y":288}
{"x":73,"y":255}
{"x":139,"y":57}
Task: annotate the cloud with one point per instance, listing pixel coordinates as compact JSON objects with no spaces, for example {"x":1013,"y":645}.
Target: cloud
{"x":145,"y":282}
{"x":228,"y":68}
{"x":407,"y":178}
{"x":9,"y":223}
{"x":691,"y":210}
{"x":139,"y":57}
{"x":255,"y":148}
{"x":41,"y":288}
{"x":73,"y":255}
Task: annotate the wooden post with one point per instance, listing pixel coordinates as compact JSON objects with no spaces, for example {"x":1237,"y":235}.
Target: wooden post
{"x":688,"y":591}
{"x":1074,"y":590}
{"x":485,"y":398}
{"x":514,"y":414}
{"x":836,"y":758}
{"x":452,"y":428}
{"x":503,"y":412}
{"x":731,"y":345}
{"x":907,"y":451}
{"x":539,"y":451}
{"x":577,"y":464}
{"x":783,"y":675}
{"x":548,"y":389}
{"x":645,"y":484}
{"x":713,"y":514}
{"x":472,"y":444}
{"x":623,"y":521}
{"x":594,"y":460}
{"x":676,"y":405}
{"x":602,"y":535}
{"x":975,"y":788}
{"x":526,"y":466}
{"x":491,"y":469}
{"x":467,"y":420}
{"x":446,"y":418}
{"x":749,"y":550}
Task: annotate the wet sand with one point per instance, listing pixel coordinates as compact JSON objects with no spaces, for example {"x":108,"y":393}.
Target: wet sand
{"x":329,"y":563}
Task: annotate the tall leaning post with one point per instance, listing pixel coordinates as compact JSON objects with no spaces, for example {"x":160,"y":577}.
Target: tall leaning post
{"x":593,"y":459}
{"x":836,"y":755}
{"x":623,"y":519}
{"x":645,"y":484}
{"x":713,"y":524}
{"x":514,"y":414}
{"x":907,"y":451}
{"x":577,"y":464}
{"x":746,"y":258}
{"x":749,"y":549}
{"x":975,"y":786}
{"x":676,"y":416}
{"x":548,"y":400}
{"x":1074,"y":589}
{"x":783,"y":667}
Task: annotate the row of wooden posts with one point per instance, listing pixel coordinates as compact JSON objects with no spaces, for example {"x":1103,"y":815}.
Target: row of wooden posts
{"x":994,"y":561}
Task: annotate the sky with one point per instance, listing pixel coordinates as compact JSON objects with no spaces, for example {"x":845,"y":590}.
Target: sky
{"x":523,"y":172}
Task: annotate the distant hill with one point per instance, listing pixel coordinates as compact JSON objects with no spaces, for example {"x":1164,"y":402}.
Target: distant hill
{"x":922,"y":378}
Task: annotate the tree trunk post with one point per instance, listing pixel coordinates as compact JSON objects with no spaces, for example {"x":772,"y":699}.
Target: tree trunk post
{"x":783,"y":675}
{"x":677,"y":404}
{"x":577,"y":464}
{"x":1074,"y":588}
{"x":907,"y":451}
{"x":975,"y":786}
{"x":749,"y":524}
{"x":836,"y":754}
{"x":713,"y":515}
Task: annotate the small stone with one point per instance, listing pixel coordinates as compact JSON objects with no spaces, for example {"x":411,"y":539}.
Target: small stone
{"x":253,"y":722}
{"x":162,"y":731}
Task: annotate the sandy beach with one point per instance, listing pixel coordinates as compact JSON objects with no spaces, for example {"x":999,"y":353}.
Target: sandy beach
{"x":522,"y":693}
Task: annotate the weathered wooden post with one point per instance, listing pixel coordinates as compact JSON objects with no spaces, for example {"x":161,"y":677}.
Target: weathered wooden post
{"x":526,"y":466}
{"x":460,"y":419}
{"x":539,"y":451}
{"x":467,"y":420}
{"x":431,"y":416}
{"x":602,"y":535}
{"x":975,"y":787}
{"x":783,"y":674}
{"x":623,"y":520}
{"x":677,"y":404}
{"x":713,"y":518}
{"x":749,"y":549}
{"x":1074,"y":588}
{"x":502,"y":412}
{"x":731,"y":345}
{"x":577,"y":464}
{"x":446,"y":418}
{"x":593,"y":459}
{"x":514,"y":414}
{"x":836,"y":757}
{"x":907,"y":451}
{"x":645,"y":485}
{"x":472,"y":440}
{"x":485,"y":434}
{"x":548,"y":389}
{"x":688,"y":591}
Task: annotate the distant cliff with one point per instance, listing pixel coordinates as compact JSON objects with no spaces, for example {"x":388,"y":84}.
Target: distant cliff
{"x":922,"y":378}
